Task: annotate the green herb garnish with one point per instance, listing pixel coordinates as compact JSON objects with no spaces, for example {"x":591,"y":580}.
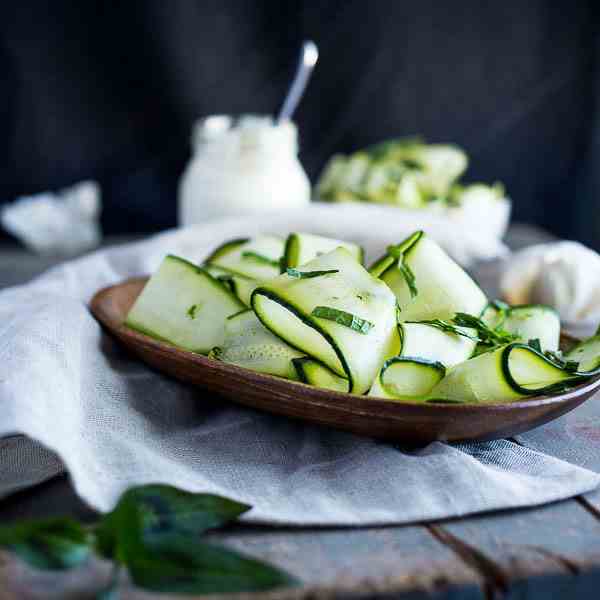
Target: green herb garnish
{"x":405,"y":270}
{"x":447,"y":327}
{"x":487,"y":336}
{"x":191,"y":312}
{"x":570,"y":366}
{"x":215,"y":353}
{"x":343,"y":318}
{"x":238,"y":313}
{"x":154,"y":532}
{"x":308,"y":274}
{"x":261,"y":258}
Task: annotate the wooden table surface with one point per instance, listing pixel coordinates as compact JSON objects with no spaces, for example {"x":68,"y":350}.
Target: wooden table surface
{"x":546,"y":553}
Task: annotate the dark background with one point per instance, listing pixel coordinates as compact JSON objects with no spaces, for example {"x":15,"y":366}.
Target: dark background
{"x":109,"y":91}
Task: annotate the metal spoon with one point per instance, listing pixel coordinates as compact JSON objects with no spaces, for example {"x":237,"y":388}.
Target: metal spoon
{"x":308,"y":60}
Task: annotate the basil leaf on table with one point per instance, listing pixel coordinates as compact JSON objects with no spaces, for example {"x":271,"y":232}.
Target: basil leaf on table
{"x":153,"y":532}
{"x":50,"y":544}
{"x":191,"y":566}
{"x":157,"y":514}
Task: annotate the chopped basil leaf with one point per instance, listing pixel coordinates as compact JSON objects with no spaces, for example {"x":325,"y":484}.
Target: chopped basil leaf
{"x":215,"y":353}
{"x":239,"y":312}
{"x":191,"y":312}
{"x":308,"y":274}
{"x":343,"y":318}
{"x":570,"y":366}
{"x":404,"y":269}
{"x":448,"y":328}
{"x":261,"y":258}
{"x":486,"y":335}
{"x":411,"y":164}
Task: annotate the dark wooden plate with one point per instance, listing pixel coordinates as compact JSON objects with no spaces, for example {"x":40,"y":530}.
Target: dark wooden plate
{"x":404,"y":422}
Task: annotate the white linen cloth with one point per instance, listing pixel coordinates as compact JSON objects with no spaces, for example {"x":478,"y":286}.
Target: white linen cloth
{"x":115,"y":423}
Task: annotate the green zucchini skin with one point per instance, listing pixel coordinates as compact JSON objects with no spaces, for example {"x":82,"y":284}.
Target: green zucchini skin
{"x":527,"y":321}
{"x":230,"y":257}
{"x":286,"y":304}
{"x":306,"y":319}
{"x":587,"y":354}
{"x":312,"y":372}
{"x":496,"y":376}
{"x":182,"y":304}
{"x":407,"y":378}
{"x":301,"y":248}
{"x":225,"y":249}
{"x":386,"y":262}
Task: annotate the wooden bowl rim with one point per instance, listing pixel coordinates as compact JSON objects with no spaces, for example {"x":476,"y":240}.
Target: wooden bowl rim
{"x":315,"y":393}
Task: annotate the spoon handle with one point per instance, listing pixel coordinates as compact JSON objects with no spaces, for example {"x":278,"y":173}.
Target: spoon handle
{"x":308,"y":59}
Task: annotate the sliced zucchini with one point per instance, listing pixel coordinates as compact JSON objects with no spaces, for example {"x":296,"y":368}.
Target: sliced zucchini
{"x":409,"y":194}
{"x":535,"y":321}
{"x":587,"y":354}
{"x":527,"y":321}
{"x":226,"y":248}
{"x":427,"y":341}
{"x":407,"y":378}
{"x":258,"y":258}
{"x":345,"y":319}
{"x":441,"y":165}
{"x":427,"y":283}
{"x":303,"y":247}
{"x":315,"y":373}
{"x":241,"y":286}
{"x":356,"y":168}
{"x":508,"y":373}
{"x":184,"y":305}
{"x":330,"y":176}
{"x":250,"y":345}
{"x":478,"y":193}
{"x":494,"y":313}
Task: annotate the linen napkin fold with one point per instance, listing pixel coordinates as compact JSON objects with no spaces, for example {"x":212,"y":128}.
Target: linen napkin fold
{"x":115,"y":423}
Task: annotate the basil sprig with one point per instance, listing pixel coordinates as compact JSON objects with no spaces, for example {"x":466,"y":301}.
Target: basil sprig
{"x":154,"y":532}
{"x":296,"y":274}
{"x":556,"y":356}
{"x":256,"y":256}
{"x":343,"y":318}
{"x":448,"y":328}
{"x":487,"y":336}
{"x":406,"y":272}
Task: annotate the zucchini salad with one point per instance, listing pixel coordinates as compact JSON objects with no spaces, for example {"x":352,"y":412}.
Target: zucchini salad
{"x":412,"y":327}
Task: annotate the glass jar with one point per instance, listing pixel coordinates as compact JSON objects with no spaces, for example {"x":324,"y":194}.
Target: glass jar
{"x":242,"y":167}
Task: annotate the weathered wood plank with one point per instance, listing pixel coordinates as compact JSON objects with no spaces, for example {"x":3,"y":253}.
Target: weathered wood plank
{"x":392,"y":562}
{"x":404,"y":563}
{"x":535,"y":554}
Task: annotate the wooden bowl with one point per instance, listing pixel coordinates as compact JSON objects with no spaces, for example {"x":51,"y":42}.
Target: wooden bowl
{"x":409,"y":423}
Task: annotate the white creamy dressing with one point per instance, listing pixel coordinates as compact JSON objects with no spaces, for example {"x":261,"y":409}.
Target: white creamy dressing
{"x":242,"y":167}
